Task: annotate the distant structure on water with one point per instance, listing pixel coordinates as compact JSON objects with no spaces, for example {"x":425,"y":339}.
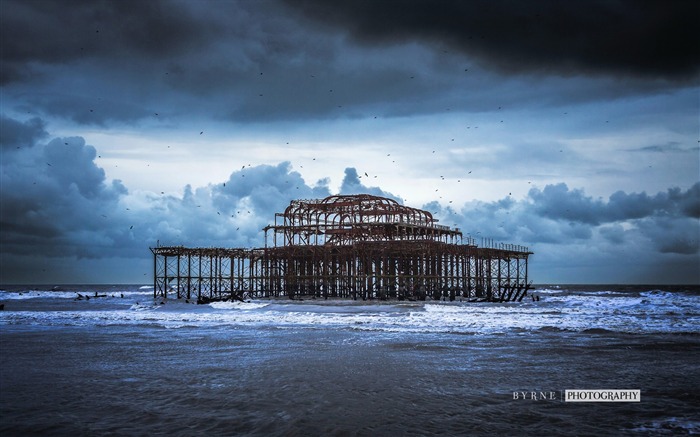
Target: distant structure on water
{"x":356,"y":246}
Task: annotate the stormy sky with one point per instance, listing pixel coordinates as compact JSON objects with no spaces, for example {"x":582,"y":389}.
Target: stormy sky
{"x":570,"y":127}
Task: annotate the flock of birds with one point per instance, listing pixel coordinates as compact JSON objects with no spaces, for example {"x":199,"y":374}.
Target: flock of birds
{"x":364,"y":176}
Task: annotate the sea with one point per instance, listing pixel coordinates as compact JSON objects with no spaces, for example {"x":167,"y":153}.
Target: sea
{"x":112,"y":360}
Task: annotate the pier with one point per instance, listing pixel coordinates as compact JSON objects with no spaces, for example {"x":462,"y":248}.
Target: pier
{"x":354,"y":246}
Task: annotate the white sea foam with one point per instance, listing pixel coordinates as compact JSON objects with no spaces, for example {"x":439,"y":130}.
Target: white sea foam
{"x":238,"y":305}
{"x":621,"y":312}
{"x":53,"y":294}
{"x":37,"y":294}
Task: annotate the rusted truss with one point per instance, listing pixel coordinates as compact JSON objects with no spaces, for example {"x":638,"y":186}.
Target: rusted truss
{"x":363,"y":246}
{"x":346,"y":220}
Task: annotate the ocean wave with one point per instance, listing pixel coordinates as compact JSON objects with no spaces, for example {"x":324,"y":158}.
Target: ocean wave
{"x":66,"y":294}
{"x":670,"y":426}
{"x":592,"y":314}
{"x":36,"y":294}
{"x":238,"y":305}
{"x":443,"y":308}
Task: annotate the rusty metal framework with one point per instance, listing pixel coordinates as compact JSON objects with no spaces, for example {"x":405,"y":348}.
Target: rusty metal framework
{"x":357,"y":246}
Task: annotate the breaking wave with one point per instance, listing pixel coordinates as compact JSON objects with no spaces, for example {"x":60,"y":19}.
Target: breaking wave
{"x":589,"y":311}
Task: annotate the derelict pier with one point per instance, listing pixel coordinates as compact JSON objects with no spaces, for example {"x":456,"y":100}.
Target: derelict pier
{"x":356,"y":246}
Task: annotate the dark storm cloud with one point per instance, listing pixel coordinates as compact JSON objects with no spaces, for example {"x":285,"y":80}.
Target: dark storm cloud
{"x":45,"y":31}
{"x":508,"y":220}
{"x":557,"y":202}
{"x":668,"y":220}
{"x":645,"y":38}
{"x":163,"y":63}
{"x":17,"y":134}
{"x":55,"y":200}
{"x":672,"y":235}
{"x":96,"y":62}
{"x":614,"y":233}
